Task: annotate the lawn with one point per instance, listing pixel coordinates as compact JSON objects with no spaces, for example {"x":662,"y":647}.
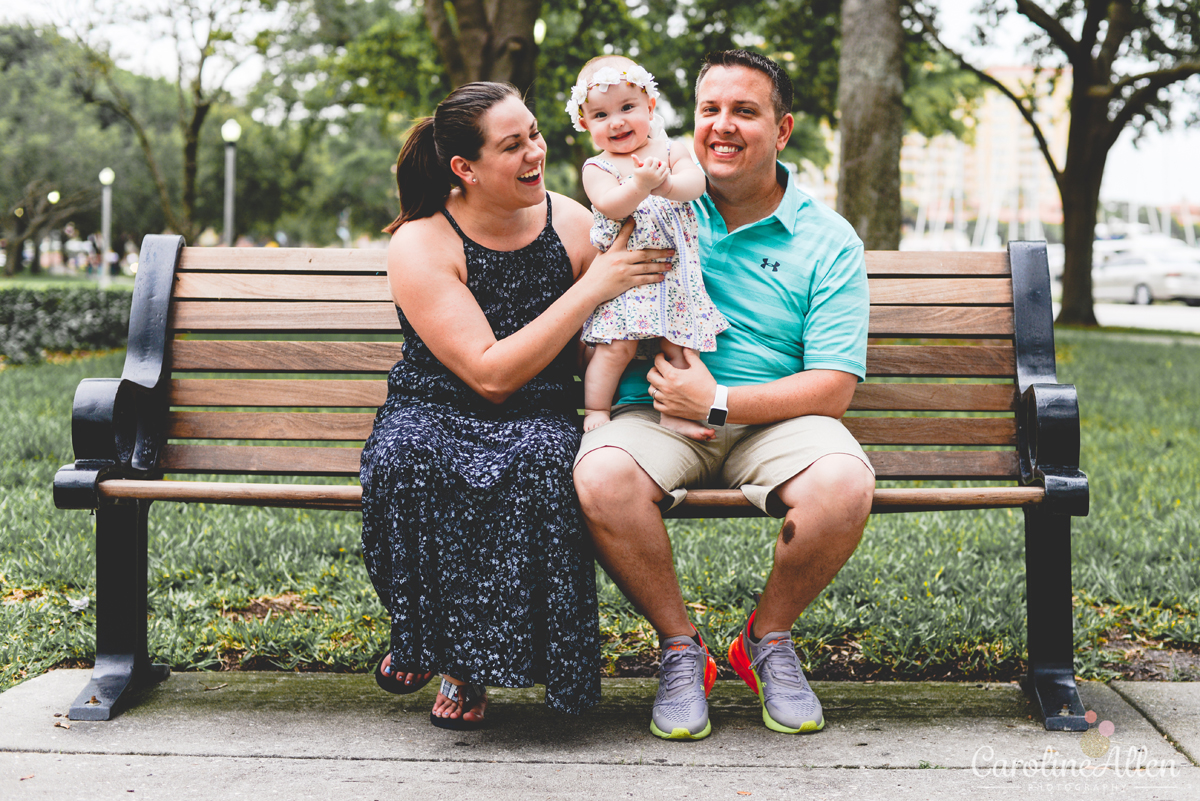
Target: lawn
{"x":937,"y":595}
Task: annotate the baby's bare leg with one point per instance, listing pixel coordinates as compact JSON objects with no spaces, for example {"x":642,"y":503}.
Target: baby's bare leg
{"x":601,"y":379}
{"x":688,"y":428}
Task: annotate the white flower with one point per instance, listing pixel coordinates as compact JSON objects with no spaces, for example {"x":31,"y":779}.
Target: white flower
{"x":603,"y":78}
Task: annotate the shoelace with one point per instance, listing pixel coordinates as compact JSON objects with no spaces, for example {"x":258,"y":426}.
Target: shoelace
{"x":785,"y":669}
{"x":678,"y":668}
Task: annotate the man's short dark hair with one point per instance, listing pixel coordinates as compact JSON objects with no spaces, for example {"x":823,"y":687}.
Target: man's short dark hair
{"x":781,"y":84}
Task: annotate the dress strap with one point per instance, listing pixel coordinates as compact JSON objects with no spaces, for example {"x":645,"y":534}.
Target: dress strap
{"x":465,"y":238}
{"x":604,"y":164}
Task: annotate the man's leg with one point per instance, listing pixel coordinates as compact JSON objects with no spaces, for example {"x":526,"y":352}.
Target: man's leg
{"x":619,"y":502}
{"x":828,"y":505}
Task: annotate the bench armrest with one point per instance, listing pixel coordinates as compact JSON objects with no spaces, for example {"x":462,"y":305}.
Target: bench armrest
{"x":1048,"y":446}
{"x":118,"y":425}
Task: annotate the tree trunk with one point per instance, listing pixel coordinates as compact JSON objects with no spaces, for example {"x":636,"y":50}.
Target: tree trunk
{"x":871,"y":102}
{"x":1079,"y":188}
{"x":492,"y":40}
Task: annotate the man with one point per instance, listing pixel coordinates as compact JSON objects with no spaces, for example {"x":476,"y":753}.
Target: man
{"x":789,"y":275}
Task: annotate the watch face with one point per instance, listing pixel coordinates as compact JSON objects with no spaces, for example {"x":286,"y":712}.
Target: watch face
{"x":716,"y":417}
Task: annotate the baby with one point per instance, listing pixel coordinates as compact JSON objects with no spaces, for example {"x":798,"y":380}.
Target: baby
{"x":640,"y":175}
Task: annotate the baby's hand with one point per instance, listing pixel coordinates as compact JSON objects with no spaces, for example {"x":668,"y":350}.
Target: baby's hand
{"x":650,"y":174}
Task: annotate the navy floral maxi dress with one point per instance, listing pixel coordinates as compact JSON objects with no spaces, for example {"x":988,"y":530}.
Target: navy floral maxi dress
{"x":472,"y":533}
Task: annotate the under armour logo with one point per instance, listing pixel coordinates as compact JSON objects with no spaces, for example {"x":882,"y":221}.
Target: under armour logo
{"x":774,"y":267}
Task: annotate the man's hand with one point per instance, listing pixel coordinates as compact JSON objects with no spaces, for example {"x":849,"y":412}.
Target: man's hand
{"x":686,"y":392}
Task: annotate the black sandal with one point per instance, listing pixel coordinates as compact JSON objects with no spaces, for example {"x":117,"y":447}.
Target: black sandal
{"x":469,"y":695}
{"x":393,"y":685}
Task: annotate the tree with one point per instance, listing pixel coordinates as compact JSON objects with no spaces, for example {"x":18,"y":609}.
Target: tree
{"x":49,"y":143}
{"x":485,"y":40}
{"x":211,"y":40}
{"x":871,"y":100}
{"x":1123,"y":56}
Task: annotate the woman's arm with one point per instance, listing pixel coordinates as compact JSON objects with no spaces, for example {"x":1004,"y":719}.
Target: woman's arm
{"x":427,"y":275}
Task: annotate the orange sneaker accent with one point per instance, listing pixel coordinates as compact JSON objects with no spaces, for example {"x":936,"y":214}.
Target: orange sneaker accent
{"x":740,"y":660}
{"x":710,"y":665}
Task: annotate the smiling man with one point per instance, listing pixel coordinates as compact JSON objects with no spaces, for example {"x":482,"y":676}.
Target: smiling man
{"x":788,"y":273}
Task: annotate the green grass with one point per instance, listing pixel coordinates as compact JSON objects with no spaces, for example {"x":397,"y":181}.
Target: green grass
{"x":925,"y":596}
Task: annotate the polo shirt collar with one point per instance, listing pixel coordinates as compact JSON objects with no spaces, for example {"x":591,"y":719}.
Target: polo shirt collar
{"x":789,"y":206}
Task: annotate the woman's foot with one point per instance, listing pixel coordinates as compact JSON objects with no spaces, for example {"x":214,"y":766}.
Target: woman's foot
{"x":452,"y":708}
{"x":688,"y":428}
{"x":402,"y":682}
{"x":594,"y":419}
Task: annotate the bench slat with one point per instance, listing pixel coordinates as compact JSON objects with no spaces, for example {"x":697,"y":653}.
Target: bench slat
{"x":277,"y":392}
{"x":284,"y":259}
{"x":331,"y":426}
{"x":948,"y":465}
{"x":249,"y":459}
{"x":886,"y":321}
{"x":699,"y":503}
{"x":942,"y":361}
{"x":273,"y":356}
{"x":934,"y":397}
{"x":375,"y":260}
{"x":283,"y":316}
{"x":933,"y":430}
{"x":937,"y":263}
{"x":372,"y":393}
{"x":960,"y":322}
{"x":936,"y":291}
{"x":306,"y":287}
{"x":283,"y":286}
{"x":316,"y":461}
{"x":327,"y":426}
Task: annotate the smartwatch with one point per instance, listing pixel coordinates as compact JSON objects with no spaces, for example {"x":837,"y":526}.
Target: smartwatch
{"x":720,"y":407}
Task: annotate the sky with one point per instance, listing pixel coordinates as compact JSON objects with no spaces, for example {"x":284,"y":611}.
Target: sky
{"x":1161,"y":169}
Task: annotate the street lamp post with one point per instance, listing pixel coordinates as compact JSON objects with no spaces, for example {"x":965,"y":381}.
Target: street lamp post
{"x":230,"y":132}
{"x":107,"y":176}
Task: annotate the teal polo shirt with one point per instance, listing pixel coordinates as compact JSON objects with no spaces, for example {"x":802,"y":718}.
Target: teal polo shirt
{"x":793,"y":287}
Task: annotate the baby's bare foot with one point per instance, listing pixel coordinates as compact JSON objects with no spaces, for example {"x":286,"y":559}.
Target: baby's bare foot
{"x":688,"y":428}
{"x":594,"y":419}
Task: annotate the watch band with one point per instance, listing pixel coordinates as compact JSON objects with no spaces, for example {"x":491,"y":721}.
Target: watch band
{"x":720,"y":407}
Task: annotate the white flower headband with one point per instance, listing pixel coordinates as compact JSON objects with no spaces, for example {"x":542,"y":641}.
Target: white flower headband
{"x":603,"y":78}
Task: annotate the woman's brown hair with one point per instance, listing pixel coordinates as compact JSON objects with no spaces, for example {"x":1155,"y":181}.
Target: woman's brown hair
{"x":423,"y":175}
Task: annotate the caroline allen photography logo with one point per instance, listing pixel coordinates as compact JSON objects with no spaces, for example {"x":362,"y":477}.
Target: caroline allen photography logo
{"x":1101,"y":759}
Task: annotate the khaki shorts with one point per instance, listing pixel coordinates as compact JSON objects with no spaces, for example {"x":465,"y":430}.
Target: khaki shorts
{"x":753,"y":458}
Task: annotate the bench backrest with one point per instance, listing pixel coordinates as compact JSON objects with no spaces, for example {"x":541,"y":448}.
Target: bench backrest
{"x":278,"y":359}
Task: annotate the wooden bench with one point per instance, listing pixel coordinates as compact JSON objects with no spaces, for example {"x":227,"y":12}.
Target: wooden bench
{"x":324,"y":320}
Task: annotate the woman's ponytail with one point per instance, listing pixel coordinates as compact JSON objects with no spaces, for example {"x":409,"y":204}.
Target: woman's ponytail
{"x":423,"y":183}
{"x":423,"y":175}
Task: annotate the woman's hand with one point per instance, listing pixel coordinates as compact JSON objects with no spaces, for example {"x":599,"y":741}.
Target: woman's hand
{"x":619,"y":269}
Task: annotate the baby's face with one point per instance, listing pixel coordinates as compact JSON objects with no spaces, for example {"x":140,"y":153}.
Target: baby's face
{"x":618,"y":119}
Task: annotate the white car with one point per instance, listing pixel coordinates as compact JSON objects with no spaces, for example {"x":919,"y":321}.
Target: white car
{"x":1142,"y":278}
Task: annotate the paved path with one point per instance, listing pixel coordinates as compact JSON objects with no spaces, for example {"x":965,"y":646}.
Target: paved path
{"x":298,"y":736}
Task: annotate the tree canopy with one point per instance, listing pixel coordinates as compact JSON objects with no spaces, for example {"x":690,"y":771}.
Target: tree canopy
{"x":1129,"y":61}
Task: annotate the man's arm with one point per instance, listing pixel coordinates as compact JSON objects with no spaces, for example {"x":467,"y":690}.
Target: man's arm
{"x":689,"y":393}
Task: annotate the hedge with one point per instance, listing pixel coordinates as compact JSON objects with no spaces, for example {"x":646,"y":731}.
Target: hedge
{"x":38,"y":322}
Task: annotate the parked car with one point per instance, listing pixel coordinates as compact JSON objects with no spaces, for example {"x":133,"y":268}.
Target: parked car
{"x":1142,"y":278}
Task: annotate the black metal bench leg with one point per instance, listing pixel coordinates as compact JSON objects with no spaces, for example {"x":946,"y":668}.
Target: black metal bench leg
{"x":1051,"y":677}
{"x":122,"y":661}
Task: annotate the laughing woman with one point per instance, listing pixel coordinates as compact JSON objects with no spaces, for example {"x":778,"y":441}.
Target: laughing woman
{"x":471,"y":528}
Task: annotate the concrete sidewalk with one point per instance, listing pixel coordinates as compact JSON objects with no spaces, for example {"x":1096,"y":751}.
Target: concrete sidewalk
{"x":300,"y":736}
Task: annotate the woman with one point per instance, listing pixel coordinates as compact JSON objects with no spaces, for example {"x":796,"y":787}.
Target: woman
{"x":471,"y":528}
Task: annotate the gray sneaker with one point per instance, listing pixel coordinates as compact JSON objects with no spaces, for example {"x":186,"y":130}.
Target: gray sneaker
{"x":772,"y":670}
{"x":680,"y":708}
